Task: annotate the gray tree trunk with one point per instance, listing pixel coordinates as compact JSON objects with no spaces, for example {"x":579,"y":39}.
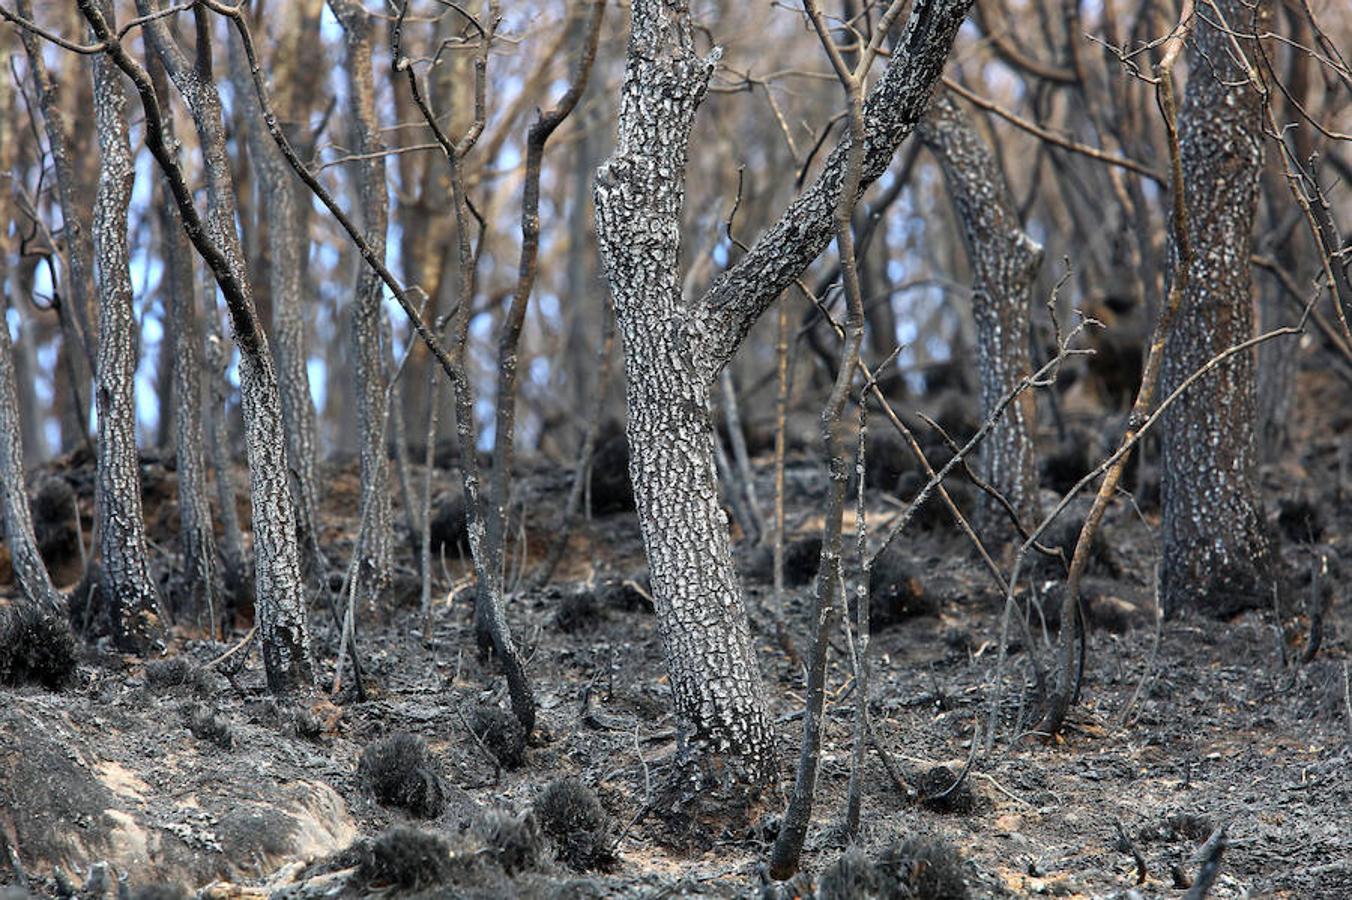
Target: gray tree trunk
{"x":673,"y":352}
{"x":287,"y":249}
{"x":78,"y":257}
{"x":29,"y":571}
{"x":199,"y":581}
{"x":279,"y":588}
{"x":125,"y":581}
{"x":1004,"y":261}
{"x":373,"y":540}
{"x":1217,"y":552}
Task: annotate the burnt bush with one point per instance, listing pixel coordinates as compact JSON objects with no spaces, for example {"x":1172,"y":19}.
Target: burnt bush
{"x":916,"y":868}
{"x":159,"y":892}
{"x":802,"y":558}
{"x":853,"y":875}
{"x":895,"y":594}
{"x":400,"y":773}
{"x":886,"y":459}
{"x":178,"y":672}
{"x":571,"y":816}
{"x":611,"y":489}
{"x":501,"y":732}
{"x":578,"y":610}
{"x":632,"y":594}
{"x":940,"y":791}
{"x":1064,"y":532}
{"x":514,"y":843}
{"x":36,"y":647}
{"x":922,"y":868}
{"x":54,"y":523}
{"x":206,"y":724}
{"x":403,"y":858}
{"x":447,"y":530}
{"x":934,"y":513}
{"x":1300,"y":521}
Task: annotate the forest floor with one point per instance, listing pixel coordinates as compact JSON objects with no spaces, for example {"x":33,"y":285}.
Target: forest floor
{"x":176,"y":774}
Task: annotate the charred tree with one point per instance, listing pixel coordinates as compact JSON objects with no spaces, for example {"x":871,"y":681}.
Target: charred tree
{"x":29,"y":571}
{"x":279,"y":589}
{"x":125,"y":583}
{"x":1004,"y":262}
{"x":373,"y":539}
{"x":197,"y":540}
{"x":1217,"y":552}
{"x":75,"y":304}
{"x":674,"y":351}
{"x":287,"y":249}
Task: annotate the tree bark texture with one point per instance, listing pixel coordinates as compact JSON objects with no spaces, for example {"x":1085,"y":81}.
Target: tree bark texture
{"x":279,"y":591}
{"x":673,"y":351}
{"x":288,"y":247}
{"x":197,"y":540}
{"x":78,"y":258}
{"x":1004,"y":262}
{"x":125,"y":582}
{"x":373,"y":542}
{"x":1217,"y":552}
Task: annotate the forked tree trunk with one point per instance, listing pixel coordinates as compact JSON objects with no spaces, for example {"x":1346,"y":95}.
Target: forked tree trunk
{"x":1004,"y":261}
{"x":127,"y":588}
{"x":674,"y":351}
{"x":1217,"y":554}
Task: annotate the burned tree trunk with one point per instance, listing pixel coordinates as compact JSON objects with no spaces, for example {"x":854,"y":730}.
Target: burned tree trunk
{"x":74,"y":307}
{"x":1004,"y":261}
{"x":287,"y":249}
{"x":127,"y":588}
{"x":373,"y":539}
{"x":674,"y":351}
{"x":280,"y":592}
{"x":1217,"y":552}
{"x":29,"y":571}
{"x":197,"y":540}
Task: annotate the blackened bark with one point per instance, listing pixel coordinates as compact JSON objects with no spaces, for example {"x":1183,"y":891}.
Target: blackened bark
{"x":125,"y":583}
{"x":287,"y":250}
{"x":197,"y":540}
{"x":1004,"y":261}
{"x":29,"y":571}
{"x":673,"y":352}
{"x":74,"y":309}
{"x":373,"y":539}
{"x":279,"y":590}
{"x":1217,"y":552}
{"x":701,"y":614}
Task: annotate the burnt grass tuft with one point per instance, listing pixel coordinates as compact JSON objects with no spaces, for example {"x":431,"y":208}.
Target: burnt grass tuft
{"x":514,"y":843}
{"x":611,"y":489}
{"x":36,"y":647}
{"x":578,"y":610}
{"x":895,"y":593}
{"x":915,"y":868}
{"x":178,"y":672}
{"x":206,"y":724}
{"x":572,"y":817}
{"x":501,"y":732}
{"x":403,"y":858}
{"x":938,"y":791}
{"x":400,"y":773}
